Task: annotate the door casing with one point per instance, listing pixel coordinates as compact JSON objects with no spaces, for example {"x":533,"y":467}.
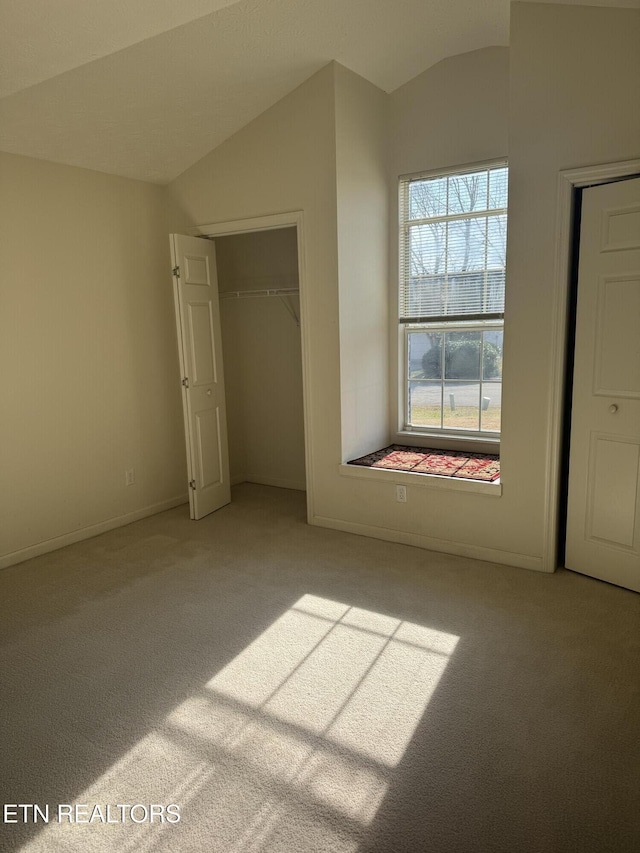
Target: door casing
{"x":569,"y":181}
{"x":269,"y":223}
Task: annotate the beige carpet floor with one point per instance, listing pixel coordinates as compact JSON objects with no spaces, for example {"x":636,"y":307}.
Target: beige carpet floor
{"x":295,"y":690}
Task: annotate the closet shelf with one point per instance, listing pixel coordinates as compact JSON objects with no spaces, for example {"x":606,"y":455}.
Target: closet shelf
{"x":246,"y":294}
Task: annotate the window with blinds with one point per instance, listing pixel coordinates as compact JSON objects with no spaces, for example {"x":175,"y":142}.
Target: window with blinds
{"x":453,"y":245}
{"x":453,"y":238}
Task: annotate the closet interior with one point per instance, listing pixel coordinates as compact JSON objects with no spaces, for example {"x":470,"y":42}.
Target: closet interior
{"x":260,"y":318}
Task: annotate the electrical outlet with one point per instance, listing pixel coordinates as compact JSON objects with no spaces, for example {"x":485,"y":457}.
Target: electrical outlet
{"x":130,"y":477}
{"x":401,"y":494}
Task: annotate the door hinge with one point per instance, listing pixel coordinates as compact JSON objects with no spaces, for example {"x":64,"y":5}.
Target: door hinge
{"x":185,"y":381}
{"x":192,"y":485}
{"x":176,"y":272}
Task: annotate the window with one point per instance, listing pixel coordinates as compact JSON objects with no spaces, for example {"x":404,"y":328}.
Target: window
{"x":453,"y":231}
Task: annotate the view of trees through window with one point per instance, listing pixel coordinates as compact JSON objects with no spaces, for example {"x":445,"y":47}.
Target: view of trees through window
{"x":453,"y":249}
{"x":455,"y":379}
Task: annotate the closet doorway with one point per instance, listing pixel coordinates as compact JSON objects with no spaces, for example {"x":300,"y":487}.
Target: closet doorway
{"x":603,"y":502}
{"x":262,"y":307}
{"x":571,"y":184}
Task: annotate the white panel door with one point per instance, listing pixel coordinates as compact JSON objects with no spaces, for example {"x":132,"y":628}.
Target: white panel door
{"x":603,"y":517}
{"x":200,"y":351}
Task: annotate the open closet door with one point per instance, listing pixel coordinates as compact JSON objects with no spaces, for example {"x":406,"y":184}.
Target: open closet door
{"x":603,"y":514}
{"x":200,"y":351}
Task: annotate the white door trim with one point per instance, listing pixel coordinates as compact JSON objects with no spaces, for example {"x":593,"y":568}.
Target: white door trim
{"x":568,"y":181}
{"x":269,"y":223}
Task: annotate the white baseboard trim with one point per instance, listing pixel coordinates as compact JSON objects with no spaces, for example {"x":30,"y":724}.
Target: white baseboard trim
{"x":460,"y":549}
{"x":278,"y":483}
{"x":57,"y":542}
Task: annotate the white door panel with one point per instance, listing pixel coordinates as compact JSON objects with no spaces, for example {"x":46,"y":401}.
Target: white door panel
{"x":200,"y":351}
{"x":612,"y":490}
{"x":603,"y":513}
{"x":618,"y":313}
{"x":202,"y":335}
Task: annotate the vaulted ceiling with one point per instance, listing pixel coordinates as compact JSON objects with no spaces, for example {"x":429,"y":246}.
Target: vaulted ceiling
{"x":144,"y":89}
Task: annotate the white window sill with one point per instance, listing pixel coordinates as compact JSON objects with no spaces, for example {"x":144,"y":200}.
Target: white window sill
{"x":428,"y":481}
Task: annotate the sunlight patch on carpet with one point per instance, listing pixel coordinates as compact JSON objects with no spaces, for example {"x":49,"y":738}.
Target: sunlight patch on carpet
{"x":291,"y":746}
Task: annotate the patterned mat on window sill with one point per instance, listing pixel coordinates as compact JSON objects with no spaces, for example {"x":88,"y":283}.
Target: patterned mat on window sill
{"x":444,"y":463}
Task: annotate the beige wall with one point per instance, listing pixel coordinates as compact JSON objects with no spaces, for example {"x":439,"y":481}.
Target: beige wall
{"x":262,"y":358}
{"x":97,"y":353}
{"x":574,"y":84}
{"x":452,"y":114}
{"x":564,"y":95}
{"x":88,"y":352}
{"x":362,"y":220}
{"x":282,"y":161}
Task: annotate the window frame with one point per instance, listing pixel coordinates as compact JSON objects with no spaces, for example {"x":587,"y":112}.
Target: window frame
{"x":446,"y":437}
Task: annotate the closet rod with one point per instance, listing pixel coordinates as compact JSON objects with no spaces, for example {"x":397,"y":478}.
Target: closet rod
{"x":245,"y":294}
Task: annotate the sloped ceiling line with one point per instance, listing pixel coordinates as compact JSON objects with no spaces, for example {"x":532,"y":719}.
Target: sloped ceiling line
{"x":146,"y":89}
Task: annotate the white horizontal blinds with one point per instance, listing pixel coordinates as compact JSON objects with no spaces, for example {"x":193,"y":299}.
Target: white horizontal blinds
{"x":453,"y":246}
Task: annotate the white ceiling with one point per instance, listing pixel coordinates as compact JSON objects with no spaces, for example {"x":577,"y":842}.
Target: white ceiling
{"x":146,"y":88}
